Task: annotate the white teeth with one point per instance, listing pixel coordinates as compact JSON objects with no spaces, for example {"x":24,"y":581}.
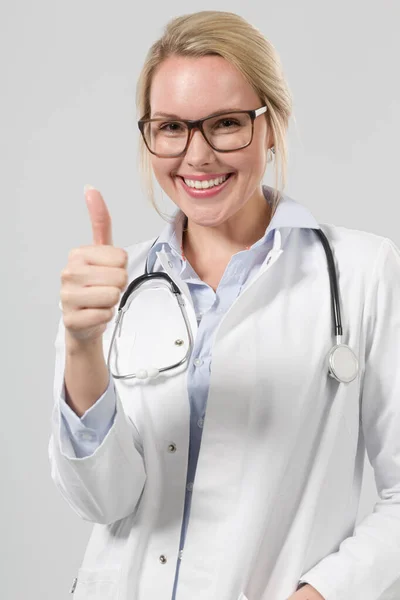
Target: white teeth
{"x":205,"y":184}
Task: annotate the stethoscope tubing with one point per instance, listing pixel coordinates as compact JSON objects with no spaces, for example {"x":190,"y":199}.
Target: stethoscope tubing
{"x":342,"y":361}
{"x":332,"y":281}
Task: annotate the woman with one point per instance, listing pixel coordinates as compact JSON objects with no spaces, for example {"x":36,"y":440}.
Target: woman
{"x":235,"y":475}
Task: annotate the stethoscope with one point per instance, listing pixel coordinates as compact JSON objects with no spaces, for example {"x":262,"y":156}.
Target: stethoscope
{"x":342,"y":361}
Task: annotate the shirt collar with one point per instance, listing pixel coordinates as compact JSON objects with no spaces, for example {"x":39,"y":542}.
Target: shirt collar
{"x":289,"y":213}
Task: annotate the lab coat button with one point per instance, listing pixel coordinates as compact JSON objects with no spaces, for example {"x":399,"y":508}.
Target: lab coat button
{"x":189,"y":486}
{"x":178,"y":342}
{"x":200,"y":422}
{"x":198,"y":362}
{"x":163,"y":559}
{"x":170,"y":264}
{"x":172,"y":447}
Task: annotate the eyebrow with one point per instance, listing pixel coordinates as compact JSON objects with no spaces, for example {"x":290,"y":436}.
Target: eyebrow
{"x":173,"y":116}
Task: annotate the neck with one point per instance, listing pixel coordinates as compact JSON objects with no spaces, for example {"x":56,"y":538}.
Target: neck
{"x":237,"y":233}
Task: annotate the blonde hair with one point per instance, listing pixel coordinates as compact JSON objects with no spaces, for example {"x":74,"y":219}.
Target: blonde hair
{"x":228,"y":35}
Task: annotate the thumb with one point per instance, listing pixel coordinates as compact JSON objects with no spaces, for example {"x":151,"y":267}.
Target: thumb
{"x":99,"y":216}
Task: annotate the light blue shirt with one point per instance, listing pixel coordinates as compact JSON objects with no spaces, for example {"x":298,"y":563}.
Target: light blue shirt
{"x":88,"y":432}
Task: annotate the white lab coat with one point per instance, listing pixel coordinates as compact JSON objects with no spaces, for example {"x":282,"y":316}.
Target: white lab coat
{"x":278,"y":479}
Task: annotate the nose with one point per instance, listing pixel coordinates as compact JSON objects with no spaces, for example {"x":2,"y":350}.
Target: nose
{"x":198,"y":151}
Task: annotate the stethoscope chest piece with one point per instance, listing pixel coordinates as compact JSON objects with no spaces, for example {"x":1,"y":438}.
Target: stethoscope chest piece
{"x":343,"y":363}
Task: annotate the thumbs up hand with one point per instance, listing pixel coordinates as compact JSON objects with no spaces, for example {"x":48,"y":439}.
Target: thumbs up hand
{"x":93,"y":279}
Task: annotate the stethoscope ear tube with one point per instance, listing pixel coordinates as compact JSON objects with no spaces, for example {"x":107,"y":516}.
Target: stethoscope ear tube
{"x":142,"y":279}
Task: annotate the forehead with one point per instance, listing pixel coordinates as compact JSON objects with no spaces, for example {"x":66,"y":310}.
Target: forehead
{"x":192,"y":88}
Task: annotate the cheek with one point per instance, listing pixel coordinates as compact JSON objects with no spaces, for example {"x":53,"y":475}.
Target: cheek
{"x":259,"y":159}
{"x":162,"y":169}
{"x":252,"y":162}
{"x":157,"y":167}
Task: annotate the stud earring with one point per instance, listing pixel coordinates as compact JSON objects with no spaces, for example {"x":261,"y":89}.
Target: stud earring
{"x":270,"y":154}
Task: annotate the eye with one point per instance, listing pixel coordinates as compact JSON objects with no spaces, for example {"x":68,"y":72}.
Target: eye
{"x":227,"y":123}
{"x":170,"y":126}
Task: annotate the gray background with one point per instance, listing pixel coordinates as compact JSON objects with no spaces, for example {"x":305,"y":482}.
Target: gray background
{"x":68,"y":117}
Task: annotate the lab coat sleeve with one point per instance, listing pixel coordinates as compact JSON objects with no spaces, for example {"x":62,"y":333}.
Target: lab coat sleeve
{"x":88,"y":431}
{"x":106,"y":485}
{"x":367,"y":563}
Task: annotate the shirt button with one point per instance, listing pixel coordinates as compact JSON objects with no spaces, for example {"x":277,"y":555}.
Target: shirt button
{"x":200,"y":422}
{"x":270,"y":257}
{"x":86,"y":436}
{"x":189,"y":486}
{"x":198,"y":362}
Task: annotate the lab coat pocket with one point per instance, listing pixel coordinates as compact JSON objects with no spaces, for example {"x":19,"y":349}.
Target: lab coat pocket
{"x":97,"y":584}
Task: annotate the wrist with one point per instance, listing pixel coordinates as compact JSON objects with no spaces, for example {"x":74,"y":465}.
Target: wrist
{"x":76,"y":347}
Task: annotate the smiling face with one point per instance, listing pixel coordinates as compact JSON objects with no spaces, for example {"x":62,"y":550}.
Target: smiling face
{"x":193,"y":88}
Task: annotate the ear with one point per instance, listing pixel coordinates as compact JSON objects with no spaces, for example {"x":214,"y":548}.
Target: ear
{"x":269,"y":140}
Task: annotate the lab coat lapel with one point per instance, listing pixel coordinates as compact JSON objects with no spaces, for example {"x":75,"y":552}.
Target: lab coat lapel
{"x":273,"y":255}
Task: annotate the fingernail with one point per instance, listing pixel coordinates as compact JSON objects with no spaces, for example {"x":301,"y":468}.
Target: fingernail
{"x":88,"y":187}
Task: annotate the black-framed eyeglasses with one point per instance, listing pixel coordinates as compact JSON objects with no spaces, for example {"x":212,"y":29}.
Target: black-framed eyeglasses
{"x":223,"y":131}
